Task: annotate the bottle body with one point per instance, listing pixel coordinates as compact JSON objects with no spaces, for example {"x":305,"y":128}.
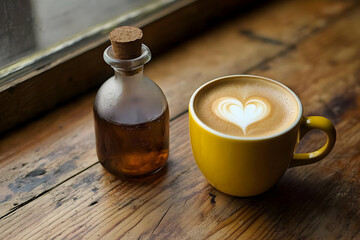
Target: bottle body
{"x":131,"y":117}
{"x":131,"y":140}
{"x":132,"y":150}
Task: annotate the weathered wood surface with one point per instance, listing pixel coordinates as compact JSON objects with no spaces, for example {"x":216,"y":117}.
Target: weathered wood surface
{"x":49,"y":151}
{"x":244,"y":44}
{"x":62,"y":192}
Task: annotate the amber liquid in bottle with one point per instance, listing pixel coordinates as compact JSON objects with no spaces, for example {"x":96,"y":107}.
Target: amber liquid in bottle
{"x":132,"y":150}
{"x":131,"y":124}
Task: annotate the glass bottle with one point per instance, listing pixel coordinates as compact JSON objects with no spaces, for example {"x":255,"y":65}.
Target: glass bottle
{"x":131,"y":119}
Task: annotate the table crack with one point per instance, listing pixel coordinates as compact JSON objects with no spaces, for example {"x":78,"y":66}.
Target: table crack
{"x":160,"y":220}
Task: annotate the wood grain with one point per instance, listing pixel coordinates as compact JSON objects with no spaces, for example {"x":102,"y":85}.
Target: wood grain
{"x":321,"y":201}
{"x":246,"y":42}
{"x":55,"y":148}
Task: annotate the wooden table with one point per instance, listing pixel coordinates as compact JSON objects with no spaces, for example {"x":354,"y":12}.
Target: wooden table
{"x":52,"y":185}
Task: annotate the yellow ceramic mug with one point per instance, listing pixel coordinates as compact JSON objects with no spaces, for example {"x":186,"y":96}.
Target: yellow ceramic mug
{"x":243,"y":166}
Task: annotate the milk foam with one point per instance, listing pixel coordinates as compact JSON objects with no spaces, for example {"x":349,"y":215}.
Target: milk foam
{"x":247,"y":107}
{"x":242,"y":115}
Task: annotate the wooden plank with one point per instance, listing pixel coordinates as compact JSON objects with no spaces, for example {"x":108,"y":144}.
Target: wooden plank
{"x":245,"y":43}
{"x":172,"y":86}
{"x":49,"y":151}
{"x":320,"y":201}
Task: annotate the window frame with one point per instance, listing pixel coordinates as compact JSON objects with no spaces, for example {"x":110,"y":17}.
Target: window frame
{"x":39,"y":87}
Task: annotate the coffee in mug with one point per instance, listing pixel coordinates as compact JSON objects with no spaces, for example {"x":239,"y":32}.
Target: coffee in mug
{"x":244,"y":130}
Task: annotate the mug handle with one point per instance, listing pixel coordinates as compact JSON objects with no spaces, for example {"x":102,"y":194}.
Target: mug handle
{"x":307,"y":124}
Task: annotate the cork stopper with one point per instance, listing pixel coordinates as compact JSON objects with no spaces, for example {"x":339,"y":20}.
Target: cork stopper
{"x":126,"y":42}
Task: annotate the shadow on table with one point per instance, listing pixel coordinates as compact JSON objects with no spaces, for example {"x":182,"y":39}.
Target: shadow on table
{"x":310,"y":200}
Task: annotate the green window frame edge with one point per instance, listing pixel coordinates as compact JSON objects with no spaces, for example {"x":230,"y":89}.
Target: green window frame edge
{"x":62,"y":76}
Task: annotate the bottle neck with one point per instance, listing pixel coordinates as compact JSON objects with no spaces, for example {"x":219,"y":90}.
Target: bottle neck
{"x":129,"y":67}
{"x":124,"y":75}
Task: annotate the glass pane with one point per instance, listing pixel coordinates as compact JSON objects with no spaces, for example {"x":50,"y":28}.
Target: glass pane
{"x":31,"y":30}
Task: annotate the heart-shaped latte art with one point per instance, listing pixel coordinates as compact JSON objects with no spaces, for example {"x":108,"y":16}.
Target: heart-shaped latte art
{"x":242,"y":115}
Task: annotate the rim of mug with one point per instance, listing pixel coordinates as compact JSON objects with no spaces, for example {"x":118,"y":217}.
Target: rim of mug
{"x":228,"y":136}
